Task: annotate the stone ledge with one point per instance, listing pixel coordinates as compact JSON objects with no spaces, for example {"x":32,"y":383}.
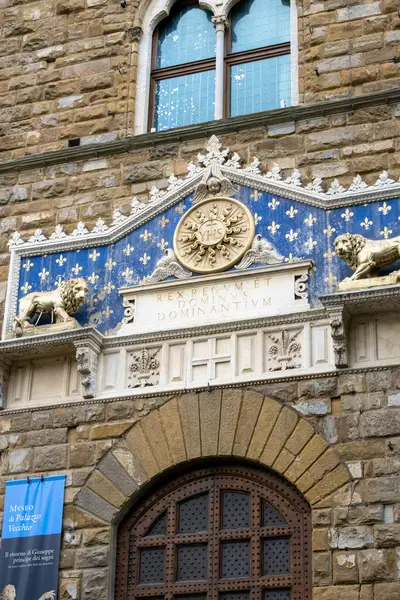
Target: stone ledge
{"x":219,"y":127}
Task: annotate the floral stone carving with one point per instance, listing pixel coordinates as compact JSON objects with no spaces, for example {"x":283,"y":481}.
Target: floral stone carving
{"x":285,"y":351}
{"x":60,"y":304}
{"x":214,"y":235}
{"x":144,"y":368}
{"x":366,"y":256}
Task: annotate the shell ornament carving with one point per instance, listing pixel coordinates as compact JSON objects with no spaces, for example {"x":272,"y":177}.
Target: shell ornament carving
{"x":214,"y":235}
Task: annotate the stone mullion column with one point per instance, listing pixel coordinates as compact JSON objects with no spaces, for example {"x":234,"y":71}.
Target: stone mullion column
{"x":220,"y":25}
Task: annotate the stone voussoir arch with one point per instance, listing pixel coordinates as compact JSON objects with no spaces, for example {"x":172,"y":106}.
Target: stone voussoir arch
{"x":244,"y":424}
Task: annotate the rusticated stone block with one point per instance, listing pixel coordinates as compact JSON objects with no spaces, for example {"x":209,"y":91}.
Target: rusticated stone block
{"x":269,"y":412}
{"x":96,"y":537}
{"x":95,"y":505}
{"x":88,"y":558}
{"x":114,"y":471}
{"x":251,"y":406}
{"x":284,"y":426}
{"x":230,"y":409}
{"x":50,"y":458}
{"x":345,"y":568}
{"x":322,"y":573}
{"x":99,"y":484}
{"x":376,"y":423}
{"x":313,"y":388}
{"x":313,"y":449}
{"x":320,"y":540}
{"x":337,"y":592}
{"x":82,"y":454}
{"x":210,"y":410}
{"x":19,"y":461}
{"x":151,"y":427}
{"x":387,"y":535}
{"x":140,"y":448}
{"x":387,"y":591}
{"x":351,"y":537}
{"x":352,"y":382}
{"x":376,"y":565}
{"x":94,"y":584}
{"x":189,"y":413}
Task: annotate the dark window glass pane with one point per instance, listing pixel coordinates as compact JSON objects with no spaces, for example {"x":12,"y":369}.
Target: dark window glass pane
{"x":184,"y":100}
{"x":276,"y":594}
{"x":258,"y":23}
{"x":260,"y":85}
{"x":235,"y":596}
{"x":187,"y":35}
{"x":193,"y":514}
{"x":152,"y":565}
{"x":159,"y":526}
{"x":271,"y":517}
{"x":235,"y":510}
{"x":277,"y":556}
{"x":235,"y":559}
{"x":192,"y":562}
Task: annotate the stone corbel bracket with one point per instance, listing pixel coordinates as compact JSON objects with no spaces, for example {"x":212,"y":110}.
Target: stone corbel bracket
{"x":4,"y":379}
{"x":338,"y":319}
{"x":87,"y":355}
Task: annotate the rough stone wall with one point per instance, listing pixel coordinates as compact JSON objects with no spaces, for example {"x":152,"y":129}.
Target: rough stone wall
{"x":356,"y":541}
{"x":68,"y":67}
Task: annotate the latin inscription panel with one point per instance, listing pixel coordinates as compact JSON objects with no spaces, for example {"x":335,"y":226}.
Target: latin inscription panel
{"x":226,"y":297}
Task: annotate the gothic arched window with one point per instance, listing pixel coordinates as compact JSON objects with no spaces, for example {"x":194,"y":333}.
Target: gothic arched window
{"x":258,"y":56}
{"x":183,"y":74}
{"x":220,"y":533}
{"x":207,"y":67}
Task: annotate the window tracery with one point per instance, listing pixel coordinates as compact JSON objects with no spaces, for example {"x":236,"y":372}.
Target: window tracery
{"x":246,"y":63}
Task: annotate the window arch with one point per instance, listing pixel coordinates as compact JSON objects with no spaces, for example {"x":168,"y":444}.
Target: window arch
{"x":219,"y":533}
{"x":183,"y":73}
{"x":246,"y":64}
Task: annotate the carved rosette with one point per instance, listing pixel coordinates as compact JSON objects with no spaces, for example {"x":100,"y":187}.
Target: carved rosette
{"x":144,"y":368}
{"x":214,"y":235}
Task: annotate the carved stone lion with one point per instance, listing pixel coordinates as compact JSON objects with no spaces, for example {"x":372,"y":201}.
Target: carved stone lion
{"x":365,"y":256}
{"x":60,"y":303}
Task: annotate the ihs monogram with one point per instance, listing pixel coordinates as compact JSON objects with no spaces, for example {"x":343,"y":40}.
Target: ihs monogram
{"x":214,"y":235}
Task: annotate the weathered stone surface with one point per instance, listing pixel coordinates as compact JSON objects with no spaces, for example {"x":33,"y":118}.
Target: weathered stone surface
{"x":324,"y":386}
{"x":376,"y":565}
{"x":345,"y":568}
{"x":322,"y":568}
{"x":50,"y":458}
{"x":94,"y":584}
{"x":377,"y":423}
{"x":88,"y":558}
{"x":351,"y":537}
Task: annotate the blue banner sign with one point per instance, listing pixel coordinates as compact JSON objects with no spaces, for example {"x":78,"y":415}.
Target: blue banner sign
{"x":31,"y":538}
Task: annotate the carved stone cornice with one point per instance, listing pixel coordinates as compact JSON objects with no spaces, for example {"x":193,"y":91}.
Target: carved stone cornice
{"x":218,"y":127}
{"x":48,"y":344}
{"x":168,"y":393}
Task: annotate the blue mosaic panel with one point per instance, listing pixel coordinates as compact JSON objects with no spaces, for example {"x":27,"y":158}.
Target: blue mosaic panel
{"x":260,"y":85}
{"x":184,"y":100}
{"x":298,"y":231}
{"x":258,"y":23}
{"x":186,"y":36}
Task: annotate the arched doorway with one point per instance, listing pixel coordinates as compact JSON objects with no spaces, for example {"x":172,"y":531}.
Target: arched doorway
{"x":229,"y":532}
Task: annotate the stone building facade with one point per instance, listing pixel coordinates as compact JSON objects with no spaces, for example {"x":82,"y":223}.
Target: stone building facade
{"x":301,"y":384}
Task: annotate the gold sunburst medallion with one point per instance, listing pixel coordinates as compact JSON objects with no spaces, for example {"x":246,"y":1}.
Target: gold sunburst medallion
{"x":213,"y":235}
